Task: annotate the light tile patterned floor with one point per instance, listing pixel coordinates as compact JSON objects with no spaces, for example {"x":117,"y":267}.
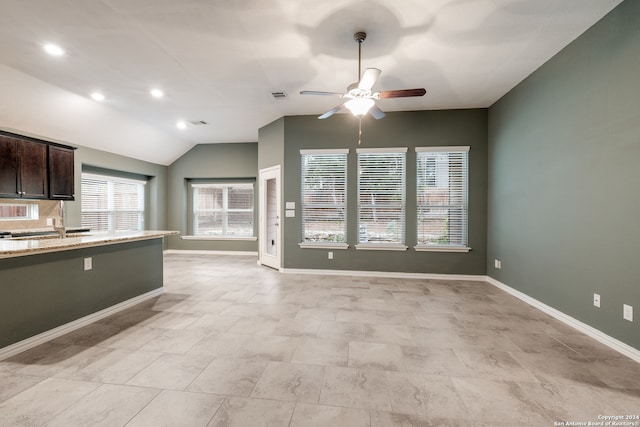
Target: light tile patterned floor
{"x":234,"y":344}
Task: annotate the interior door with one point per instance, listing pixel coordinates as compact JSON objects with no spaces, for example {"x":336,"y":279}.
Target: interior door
{"x":269,"y":235}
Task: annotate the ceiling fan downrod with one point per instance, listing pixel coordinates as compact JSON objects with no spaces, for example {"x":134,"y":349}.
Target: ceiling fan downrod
{"x":360,"y":36}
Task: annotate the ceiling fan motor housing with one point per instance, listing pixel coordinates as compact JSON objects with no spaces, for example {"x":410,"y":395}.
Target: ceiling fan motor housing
{"x":360,"y":36}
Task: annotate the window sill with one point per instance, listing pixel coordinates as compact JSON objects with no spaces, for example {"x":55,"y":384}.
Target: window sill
{"x":380,"y":247}
{"x":323,"y":245}
{"x":441,"y":249}
{"x":249,"y":239}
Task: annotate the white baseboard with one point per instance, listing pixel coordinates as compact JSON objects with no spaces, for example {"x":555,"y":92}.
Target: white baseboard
{"x":193,"y":252}
{"x":36,"y":340}
{"x":386,"y":274}
{"x":594,"y":333}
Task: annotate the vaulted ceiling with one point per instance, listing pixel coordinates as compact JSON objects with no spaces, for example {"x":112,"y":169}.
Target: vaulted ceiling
{"x":219,"y":61}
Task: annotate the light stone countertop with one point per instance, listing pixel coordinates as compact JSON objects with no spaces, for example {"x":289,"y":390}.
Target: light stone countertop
{"x":13,"y":248}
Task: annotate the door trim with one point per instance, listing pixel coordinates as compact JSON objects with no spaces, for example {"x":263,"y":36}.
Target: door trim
{"x":273,"y":172}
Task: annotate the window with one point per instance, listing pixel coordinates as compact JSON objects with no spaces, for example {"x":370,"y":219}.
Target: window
{"x":442,"y":182}
{"x":223,"y":210}
{"x":324,"y":197}
{"x":381,"y":198}
{"x":18,"y":211}
{"x":112,"y":203}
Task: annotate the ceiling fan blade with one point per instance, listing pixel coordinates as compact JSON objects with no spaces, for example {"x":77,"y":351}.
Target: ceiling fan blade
{"x":402,"y":93}
{"x":376,"y":112}
{"x":316,"y":92}
{"x":368,"y":79}
{"x":332,"y":111}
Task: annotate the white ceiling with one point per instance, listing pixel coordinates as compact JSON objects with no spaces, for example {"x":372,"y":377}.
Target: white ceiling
{"x":219,"y":60}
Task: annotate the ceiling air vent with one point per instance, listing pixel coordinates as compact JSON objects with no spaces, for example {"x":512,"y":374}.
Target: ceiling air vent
{"x":279,"y":95}
{"x":198,"y":122}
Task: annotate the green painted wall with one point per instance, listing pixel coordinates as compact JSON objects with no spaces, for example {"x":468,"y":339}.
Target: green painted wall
{"x":271,"y":144}
{"x":41,"y":292}
{"x":217,"y":161}
{"x":156,"y":209}
{"x":564,"y":148}
{"x":405,"y":129}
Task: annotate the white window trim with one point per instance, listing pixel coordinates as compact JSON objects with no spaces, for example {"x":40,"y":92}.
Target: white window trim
{"x":384,"y":246}
{"x":218,"y":237}
{"x":116,"y":179}
{"x":323,"y":245}
{"x":380,"y":247}
{"x":32,"y":212}
{"x":325,"y":151}
{"x":446,"y":248}
{"x":452,"y":149}
{"x":430,"y":248}
{"x":382,"y":150}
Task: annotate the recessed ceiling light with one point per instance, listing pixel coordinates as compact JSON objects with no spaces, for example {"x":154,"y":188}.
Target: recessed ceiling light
{"x":157,"y":93}
{"x":53,"y":49}
{"x":181,"y":125}
{"x":97,"y":96}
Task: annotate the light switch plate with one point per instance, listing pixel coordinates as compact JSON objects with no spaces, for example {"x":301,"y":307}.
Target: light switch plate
{"x":88,"y":264}
{"x":627,"y":312}
{"x":49,"y":221}
{"x":290,"y":213}
{"x":290,"y":205}
{"x":596,"y":300}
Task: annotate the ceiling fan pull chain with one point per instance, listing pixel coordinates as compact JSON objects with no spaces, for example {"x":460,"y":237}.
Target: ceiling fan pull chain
{"x":359,"y":130}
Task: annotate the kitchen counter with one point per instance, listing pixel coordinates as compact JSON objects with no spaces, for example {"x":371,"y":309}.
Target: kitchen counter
{"x":50,"y":285}
{"x":43,"y":244}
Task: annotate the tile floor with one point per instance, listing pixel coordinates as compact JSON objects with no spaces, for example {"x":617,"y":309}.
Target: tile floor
{"x":234,"y":344}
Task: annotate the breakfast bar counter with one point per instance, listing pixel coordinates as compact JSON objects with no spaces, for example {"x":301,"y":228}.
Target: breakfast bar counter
{"x":49,"y":285}
{"x":53,"y":243}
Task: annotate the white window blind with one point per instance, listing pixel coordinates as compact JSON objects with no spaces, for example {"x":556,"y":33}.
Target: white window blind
{"x":112,"y":203}
{"x":324,"y":196}
{"x":223,"y":209}
{"x":442,"y":193}
{"x":381,"y":196}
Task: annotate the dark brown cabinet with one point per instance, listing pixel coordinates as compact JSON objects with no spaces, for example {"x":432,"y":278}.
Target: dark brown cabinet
{"x":35,"y":169}
{"x":23,"y":168}
{"x":61,"y":173}
{"x":9,"y":184}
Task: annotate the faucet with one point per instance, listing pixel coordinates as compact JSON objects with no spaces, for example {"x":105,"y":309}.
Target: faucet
{"x":58,"y":223}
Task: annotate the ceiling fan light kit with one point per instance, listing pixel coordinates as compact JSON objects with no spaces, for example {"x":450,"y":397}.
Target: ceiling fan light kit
{"x":360,"y":97}
{"x":359,"y":106}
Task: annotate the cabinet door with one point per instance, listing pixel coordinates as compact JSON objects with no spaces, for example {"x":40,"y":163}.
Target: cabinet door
{"x":33,"y":170}
{"x":8,"y":167}
{"x":61,"y":175}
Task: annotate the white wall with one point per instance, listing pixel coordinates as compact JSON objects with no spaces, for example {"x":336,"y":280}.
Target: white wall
{"x":29,"y":106}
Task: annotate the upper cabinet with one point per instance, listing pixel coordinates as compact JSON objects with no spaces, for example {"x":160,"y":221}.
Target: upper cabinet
{"x":24,"y":169}
{"x":61,"y":173}
{"x":9,"y":174}
{"x":34,"y":169}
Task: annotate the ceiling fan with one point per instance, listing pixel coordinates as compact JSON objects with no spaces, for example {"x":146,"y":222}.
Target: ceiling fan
{"x":360,"y":97}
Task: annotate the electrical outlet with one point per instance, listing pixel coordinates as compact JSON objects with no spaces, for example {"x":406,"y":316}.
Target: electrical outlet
{"x":49,"y":221}
{"x":498,"y":264}
{"x":596,"y":300}
{"x":627,"y":312}
{"x":330,"y":255}
{"x":88,"y":264}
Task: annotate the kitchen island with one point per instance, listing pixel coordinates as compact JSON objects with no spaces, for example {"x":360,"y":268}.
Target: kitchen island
{"x":51,"y":285}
